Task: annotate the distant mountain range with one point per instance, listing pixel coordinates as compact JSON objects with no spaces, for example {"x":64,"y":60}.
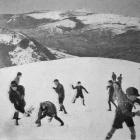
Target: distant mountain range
{"x":71,"y":33}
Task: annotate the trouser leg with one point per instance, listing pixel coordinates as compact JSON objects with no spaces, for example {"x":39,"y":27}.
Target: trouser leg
{"x":133,"y":133}
{"x":16,"y":117}
{"x":58,"y":119}
{"x":63,"y":108}
{"x":109,"y":103}
{"x":83,"y":101}
{"x":110,"y":133}
{"x":74,"y":100}
{"x":41,"y":115}
{"x":114,"y":104}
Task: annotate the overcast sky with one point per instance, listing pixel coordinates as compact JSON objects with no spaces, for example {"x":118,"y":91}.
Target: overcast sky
{"x":125,"y":7}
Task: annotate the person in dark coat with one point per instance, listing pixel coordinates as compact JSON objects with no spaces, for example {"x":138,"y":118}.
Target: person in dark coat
{"x":124,"y":110}
{"x":114,"y":76}
{"x":119,"y":79}
{"x":61,"y":94}
{"x":79,"y":93}
{"x":110,"y":89}
{"x":47,"y":108}
{"x":17,"y":78}
{"x":16,"y":96}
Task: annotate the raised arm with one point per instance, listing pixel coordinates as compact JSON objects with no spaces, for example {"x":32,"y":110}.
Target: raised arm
{"x":73,"y":87}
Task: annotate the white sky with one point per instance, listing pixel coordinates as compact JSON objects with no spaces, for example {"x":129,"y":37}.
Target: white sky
{"x":125,"y":7}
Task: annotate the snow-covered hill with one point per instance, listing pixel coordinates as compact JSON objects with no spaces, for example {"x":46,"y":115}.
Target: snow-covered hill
{"x":17,"y":49}
{"x":80,"y":32}
{"x":53,"y":19}
{"x":81,"y":123}
{"x":117,"y":23}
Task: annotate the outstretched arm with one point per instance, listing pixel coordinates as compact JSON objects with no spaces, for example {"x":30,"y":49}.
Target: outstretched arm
{"x":73,"y":87}
{"x":84,"y":89}
{"x":54,"y":88}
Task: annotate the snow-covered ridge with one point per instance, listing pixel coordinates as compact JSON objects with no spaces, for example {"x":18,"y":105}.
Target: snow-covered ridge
{"x":56,"y":15}
{"x":117,"y":23}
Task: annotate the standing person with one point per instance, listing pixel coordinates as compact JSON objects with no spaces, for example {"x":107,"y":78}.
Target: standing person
{"x":17,"y":78}
{"x":110,"y":89}
{"x":120,"y":79}
{"x":47,"y":108}
{"x":124,"y":110}
{"x":16,"y":96}
{"x":79,"y":93}
{"x":61,"y":94}
{"x":114,"y":76}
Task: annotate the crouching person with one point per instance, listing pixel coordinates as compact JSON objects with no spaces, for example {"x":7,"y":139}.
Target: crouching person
{"x":47,"y":108}
{"x":16,"y":96}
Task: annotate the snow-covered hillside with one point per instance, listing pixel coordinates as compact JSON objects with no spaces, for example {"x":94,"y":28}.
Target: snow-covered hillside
{"x":81,"y":123}
{"x":117,"y":23}
{"x":19,"y":49}
{"x":51,"y":20}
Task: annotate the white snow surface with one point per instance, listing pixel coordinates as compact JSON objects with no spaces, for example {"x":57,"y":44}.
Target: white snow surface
{"x":81,"y":123}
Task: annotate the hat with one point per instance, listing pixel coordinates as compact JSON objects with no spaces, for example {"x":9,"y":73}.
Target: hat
{"x":132,"y":91}
{"x":13,"y":84}
{"x":19,"y":73}
{"x":56,"y":80}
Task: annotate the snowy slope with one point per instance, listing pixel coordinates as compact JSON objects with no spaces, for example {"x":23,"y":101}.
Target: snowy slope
{"x":17,"y":49}
{"x":81,"y":123}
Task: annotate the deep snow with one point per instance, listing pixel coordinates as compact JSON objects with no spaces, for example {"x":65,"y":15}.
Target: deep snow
{"x":81,"y":123}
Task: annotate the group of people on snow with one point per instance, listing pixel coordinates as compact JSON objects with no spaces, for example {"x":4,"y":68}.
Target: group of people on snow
{"x":124,"y":106}
{"x":47,"y":108}
{"x":123,"y":102}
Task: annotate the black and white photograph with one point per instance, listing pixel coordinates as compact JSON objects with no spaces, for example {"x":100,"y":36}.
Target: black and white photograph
{"x":69,"y":69}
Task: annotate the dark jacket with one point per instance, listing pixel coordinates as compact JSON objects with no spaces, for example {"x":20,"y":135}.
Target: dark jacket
{"x":110,"y":91}
{"x":79,"y":89}
{"x":125,"y":106}
{"x":60,"y":90}
{"x":17,"y":98}
{"x":49,"y":109}
{"x":114,"y":77}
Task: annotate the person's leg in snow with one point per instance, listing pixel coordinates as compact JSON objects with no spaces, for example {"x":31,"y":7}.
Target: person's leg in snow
{"x":83,"y":99}
{"x":62,"y":108}
{"x":110,"y":133}
{"x":41,"y":115}
{"x":16,"y":117}
{"x":58,"y":119}
{"x":109,"y":103}
{"x":133,"y":133}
